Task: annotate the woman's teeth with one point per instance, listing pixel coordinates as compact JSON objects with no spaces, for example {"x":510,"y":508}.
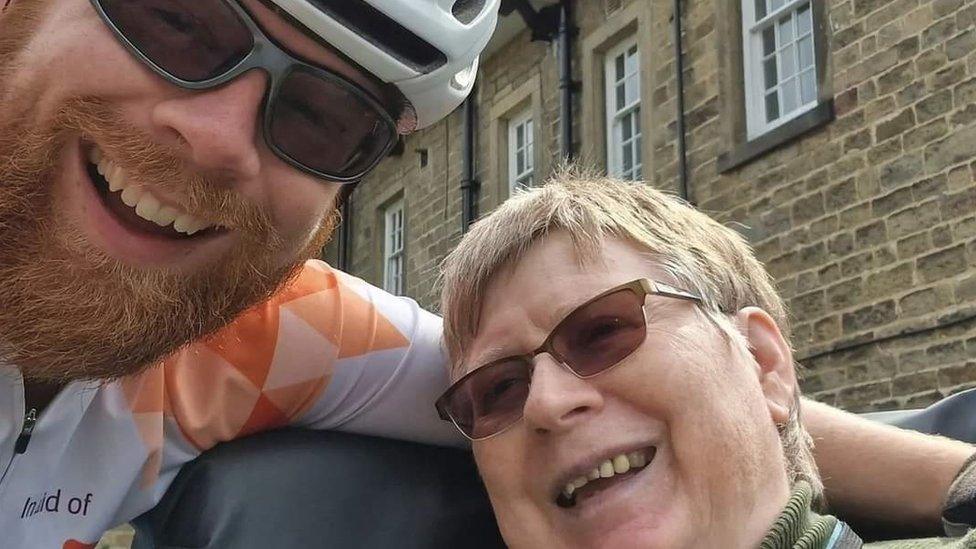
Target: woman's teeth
{"x":143,"y":201}
{"x":616,"y":466}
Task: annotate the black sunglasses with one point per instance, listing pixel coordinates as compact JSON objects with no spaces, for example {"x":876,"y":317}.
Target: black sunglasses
{"x":592,"y":339}
{"x":314,"y":119}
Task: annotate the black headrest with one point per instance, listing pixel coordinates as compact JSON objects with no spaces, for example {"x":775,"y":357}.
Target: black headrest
{"x":953,"y":417}
{"x":303,"y":489}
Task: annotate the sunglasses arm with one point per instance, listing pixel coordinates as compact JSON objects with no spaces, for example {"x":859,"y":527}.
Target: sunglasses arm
{"x":671,"y":291}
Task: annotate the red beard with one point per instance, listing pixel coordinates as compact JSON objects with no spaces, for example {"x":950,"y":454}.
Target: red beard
{"x":67,"y":310}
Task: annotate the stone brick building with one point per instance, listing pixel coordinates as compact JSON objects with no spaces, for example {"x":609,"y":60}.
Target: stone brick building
{"x":838,"y":135}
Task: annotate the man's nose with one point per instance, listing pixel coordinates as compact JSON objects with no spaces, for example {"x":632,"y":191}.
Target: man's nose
{"x":217,"y":128}
{"x":558,"y":400}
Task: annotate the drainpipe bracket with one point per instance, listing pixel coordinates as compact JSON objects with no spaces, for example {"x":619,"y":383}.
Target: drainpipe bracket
{"x":574,"y":86}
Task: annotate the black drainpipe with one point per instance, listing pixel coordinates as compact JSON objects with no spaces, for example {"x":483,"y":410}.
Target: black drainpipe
{"x":554,"y":22}
{"x":679,"y":63}
{"x":345,"y":235}
{"x":566,"y":84}
{"x":469,"y":185}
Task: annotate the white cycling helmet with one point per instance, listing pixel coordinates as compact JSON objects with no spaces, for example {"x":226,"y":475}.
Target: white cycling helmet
{"x":428,"y":49}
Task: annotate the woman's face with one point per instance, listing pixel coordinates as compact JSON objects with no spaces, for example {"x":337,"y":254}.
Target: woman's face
{"x":691,"y":402}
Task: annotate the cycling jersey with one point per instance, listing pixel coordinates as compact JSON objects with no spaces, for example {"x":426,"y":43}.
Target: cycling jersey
{"x":327,"y":352}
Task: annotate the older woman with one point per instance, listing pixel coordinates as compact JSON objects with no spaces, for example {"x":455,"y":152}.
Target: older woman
{"x":623,"y":365}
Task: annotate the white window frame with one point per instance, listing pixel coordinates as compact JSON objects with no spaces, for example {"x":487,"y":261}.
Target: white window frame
{"x":525,"y":177}
{"x":754,"y":58}
{"x":628,"y":114}
{"x":394,"y":247}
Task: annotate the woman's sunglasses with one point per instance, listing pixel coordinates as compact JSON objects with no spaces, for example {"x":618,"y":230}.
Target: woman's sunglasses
{"x":590,"y":340}
{"x":313,"y":119}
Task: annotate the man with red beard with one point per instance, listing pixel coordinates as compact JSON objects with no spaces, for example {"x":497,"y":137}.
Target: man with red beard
{"x":165,"y":165}
{"x":167,"y":168}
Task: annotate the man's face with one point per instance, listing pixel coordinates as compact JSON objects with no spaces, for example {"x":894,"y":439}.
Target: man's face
{"x":191,"y":220}
{"x":690,"y":400}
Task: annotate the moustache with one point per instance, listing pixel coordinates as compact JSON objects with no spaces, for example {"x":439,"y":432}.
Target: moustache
{"x":207,"y":194}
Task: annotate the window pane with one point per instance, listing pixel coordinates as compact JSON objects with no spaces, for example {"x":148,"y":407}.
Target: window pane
{"x":627,"y":129}
{"x":772,"y":107}
{"x":808,"y":86}
{"x":519,"y":136}
{"x":637,"y":129}
{"x":621,"y":97}
{"x":789,"y":94}
{"x":528,"y":133}
{"x":393,"y":260}
{"x":632,"y":60}
{"x":769,"y":41}
{"x":769,"y":70}
{"x":775,"y":5}
{"x":633,"y":88}
{"x":637,"y":156}
{"x":619,"y":74}
{"x":787,"y":63}
{"x":804,"y":20}
{"x":628,"y":159}
{"x":520,"y":162}
{"x":806,"y":52}
{"x":760,"y":9}
{"x":785,"y":27}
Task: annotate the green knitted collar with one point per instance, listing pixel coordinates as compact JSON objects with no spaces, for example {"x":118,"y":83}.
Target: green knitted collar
{"x":797,"y":526}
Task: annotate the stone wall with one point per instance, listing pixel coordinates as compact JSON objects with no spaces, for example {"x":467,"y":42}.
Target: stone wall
{"x":866,"y":222}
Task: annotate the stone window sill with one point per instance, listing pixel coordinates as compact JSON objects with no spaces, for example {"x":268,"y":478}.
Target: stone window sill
{"x":744,"y":153}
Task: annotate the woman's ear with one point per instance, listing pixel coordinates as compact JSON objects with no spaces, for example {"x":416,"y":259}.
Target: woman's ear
{"x":777,"y":375}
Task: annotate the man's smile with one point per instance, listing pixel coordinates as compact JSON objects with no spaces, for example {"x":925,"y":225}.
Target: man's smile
{"x":142,"y":200}
{"x":138,"y":224}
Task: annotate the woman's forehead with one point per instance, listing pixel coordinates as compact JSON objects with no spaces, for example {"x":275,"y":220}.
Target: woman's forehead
{"x":524,"y":302}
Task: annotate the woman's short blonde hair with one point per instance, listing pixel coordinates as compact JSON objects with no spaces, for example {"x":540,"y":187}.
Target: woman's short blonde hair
{"x":700,"y":255}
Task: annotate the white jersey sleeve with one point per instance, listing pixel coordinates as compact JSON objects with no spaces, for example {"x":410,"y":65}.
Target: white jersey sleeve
{"x":393,"y":367}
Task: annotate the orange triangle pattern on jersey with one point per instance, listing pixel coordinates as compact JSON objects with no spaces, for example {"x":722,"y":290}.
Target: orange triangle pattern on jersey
{"x":263,"y":371}
{"x":75,"y":544}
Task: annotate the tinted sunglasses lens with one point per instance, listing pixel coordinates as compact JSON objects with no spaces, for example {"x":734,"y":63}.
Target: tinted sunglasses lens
{"x":190,"y":39}
{"x":600,"y":334}
{"x":491,"y":399}
{"x":323,"y":124}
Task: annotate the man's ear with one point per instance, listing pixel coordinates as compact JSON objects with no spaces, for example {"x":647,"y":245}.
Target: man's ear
{"x":777,"y":376}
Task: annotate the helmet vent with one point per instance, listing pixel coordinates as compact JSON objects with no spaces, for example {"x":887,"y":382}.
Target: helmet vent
{"x":384,"y":32}
{"x":467,"y":11}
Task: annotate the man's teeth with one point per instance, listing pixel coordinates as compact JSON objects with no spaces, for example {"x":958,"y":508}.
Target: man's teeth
{"x":146,"y":204}
{"x":616,"y":466}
